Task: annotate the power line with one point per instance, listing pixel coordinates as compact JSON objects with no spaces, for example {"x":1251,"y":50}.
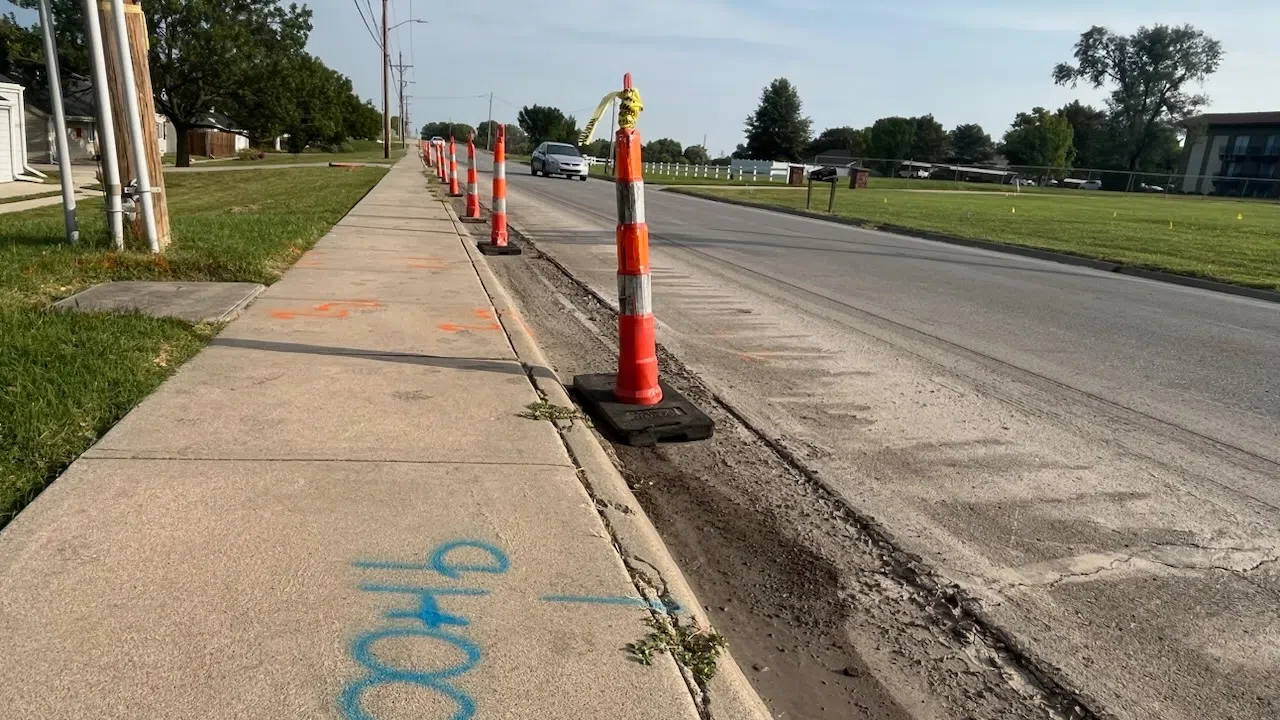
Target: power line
{"x":367,"y":26}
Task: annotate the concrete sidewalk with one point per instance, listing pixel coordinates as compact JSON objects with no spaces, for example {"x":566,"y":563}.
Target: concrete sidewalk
{"x":336,"y":510}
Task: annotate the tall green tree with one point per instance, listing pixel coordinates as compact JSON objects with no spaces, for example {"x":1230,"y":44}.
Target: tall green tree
{"x":971,"y":145}
{"x":486,"y":132}
{"x":697,"y":155}
{"x":1039,"y":138}
{"x":663,"y":150}
{"x":547,"y":124}
{"x":929,"y":140}
{"x":891,"y":138}
{"x":205,"y":54}
{"x":21,"y":56}
{"x":1092,"y":136}
{"x":1148,"y":73}
{"x":778,"y":129}
{"x":845,"y":138}
{"x":599,"y":147}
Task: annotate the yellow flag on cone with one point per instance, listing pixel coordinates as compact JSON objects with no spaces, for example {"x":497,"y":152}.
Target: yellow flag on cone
{"x":1239,"y":216}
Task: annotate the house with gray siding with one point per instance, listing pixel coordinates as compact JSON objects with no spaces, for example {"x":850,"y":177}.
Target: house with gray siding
{"x":1233,"y":154}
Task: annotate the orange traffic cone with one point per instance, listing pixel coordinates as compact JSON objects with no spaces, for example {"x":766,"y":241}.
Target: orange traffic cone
{"x":497,"y":244}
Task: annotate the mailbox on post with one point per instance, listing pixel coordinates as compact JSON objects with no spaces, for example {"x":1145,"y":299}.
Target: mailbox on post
{"x":823,"y":174}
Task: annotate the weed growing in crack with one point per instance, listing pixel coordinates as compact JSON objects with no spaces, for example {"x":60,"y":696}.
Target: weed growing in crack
{"x":543,"y":410}
{"x":695,"y":647}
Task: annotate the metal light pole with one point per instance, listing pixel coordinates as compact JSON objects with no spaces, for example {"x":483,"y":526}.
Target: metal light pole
{"x":106,"y":124}
{"x":386,"y":75}
{"x":60,"y":125}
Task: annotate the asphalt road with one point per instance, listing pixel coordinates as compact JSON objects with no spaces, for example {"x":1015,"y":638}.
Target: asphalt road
{"x":1095,"y":457}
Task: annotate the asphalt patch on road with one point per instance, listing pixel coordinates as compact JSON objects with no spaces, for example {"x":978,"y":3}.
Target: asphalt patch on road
{"x":826,"y":618}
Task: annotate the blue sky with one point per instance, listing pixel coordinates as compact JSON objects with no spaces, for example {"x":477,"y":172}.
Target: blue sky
{"x":701,"y":64}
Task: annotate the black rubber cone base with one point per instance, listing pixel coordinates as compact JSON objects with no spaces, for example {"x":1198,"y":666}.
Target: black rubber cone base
{"x":487,"y":248}
{"x":675,"y":419}
{"x":473,"y":220}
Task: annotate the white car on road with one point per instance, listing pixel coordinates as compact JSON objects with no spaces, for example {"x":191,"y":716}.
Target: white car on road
{"x":558,"y":159}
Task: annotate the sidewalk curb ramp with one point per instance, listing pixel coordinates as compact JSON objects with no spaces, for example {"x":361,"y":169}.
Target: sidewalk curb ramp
{"x":729,"y":695}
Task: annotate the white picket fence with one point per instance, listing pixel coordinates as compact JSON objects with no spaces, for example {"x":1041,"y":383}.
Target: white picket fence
{"x":756,"y":173}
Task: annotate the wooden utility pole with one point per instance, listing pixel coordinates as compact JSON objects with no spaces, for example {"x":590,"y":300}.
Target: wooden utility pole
{"x":139,"y":45}
{"x":386,"y":81}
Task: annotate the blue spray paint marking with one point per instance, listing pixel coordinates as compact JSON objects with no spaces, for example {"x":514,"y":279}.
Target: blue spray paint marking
{"x":428,"y":612}
{"x":614,"y":600}
{"x":380,"y":674}
{"x":432,"y":618}
{"x":438,"y":561}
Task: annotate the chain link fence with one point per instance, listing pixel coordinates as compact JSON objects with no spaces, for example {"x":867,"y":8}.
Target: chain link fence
{"x":1038,"y":176}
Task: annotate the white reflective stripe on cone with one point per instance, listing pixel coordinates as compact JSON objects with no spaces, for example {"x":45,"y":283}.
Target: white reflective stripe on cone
{"x":500,"y":206}
{"x":630,"y":202}
{"x":635,"y":295}
{"x":500,"y":171}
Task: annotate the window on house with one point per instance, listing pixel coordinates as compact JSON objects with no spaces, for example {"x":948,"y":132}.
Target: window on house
{"x":1242,"y":144}
{"x":1273,"y":145}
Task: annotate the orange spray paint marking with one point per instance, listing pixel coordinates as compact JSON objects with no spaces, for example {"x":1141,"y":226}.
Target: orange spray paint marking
{"x":456,"y":327}
{"x":336,"y":310}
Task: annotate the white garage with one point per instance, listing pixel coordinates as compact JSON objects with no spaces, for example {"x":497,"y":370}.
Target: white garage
{"x":13,"y":145}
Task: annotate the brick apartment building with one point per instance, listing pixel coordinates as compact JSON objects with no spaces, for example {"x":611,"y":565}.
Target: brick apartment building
{"x":1238,"y":154}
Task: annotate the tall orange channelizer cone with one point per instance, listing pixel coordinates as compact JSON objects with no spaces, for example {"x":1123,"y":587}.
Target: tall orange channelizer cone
{"x":453,"y":169}
{"x":497,"y":244}
{"x":634,"y":405}
{"x":431,"y":154}
{"x":442,"y":167}
{"x":473,"y":183}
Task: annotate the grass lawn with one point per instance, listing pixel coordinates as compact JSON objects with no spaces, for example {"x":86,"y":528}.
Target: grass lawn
{"x":354,"y":151}
{"x":66,"y":378}
{"x":34,"y":196}
{"x":1232,"y":241}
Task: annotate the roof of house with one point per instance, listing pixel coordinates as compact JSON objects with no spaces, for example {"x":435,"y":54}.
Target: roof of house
{"x":77,"y":98}
{"x":8,"y":80}
{"x":1249,"y":118}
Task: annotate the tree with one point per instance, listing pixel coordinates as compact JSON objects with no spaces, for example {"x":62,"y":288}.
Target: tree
{"x":663,"y":150}
{"x":929,"y":140}
{"x":1148,"y":72}
{"x":1039,"y":138}
{"x":364,"y":121}
{"x":778,"y":130}
{"x":210,"y":53}
{"x":446,"y":130}
{"x":518,"y":143}
{"x":21,"y":55}
{"x":547,"y":124}
{"x":971,"y":145}
{"x":697,"y":155}
{"x":486,"y":133}
{"x":891,"y":138}
{"x":599,"y":148}
{"x":844,"y":139}
{"x":1093,"y":137}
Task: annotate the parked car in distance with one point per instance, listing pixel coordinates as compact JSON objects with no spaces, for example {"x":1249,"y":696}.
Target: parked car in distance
{"x":1024,"y":182}
{"x":551,"y":158}
{"x":1091,"y":185}
{"x":1144,"y":187}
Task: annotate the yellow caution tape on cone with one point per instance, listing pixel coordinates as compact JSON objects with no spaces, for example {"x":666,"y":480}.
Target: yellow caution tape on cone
{"x":585,"y":136}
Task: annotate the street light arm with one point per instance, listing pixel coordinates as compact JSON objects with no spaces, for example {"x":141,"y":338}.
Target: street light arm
{"x":406,"y":22}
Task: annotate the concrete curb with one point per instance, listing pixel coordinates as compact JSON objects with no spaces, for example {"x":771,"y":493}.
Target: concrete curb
{"x":729,"y":696}
{"x":1065,"y":258}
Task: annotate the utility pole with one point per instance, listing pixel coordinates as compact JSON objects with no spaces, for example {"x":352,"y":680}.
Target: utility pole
{"x":386,"y":81}
{"x":404,"y":108}
{"x":488,"y":140}
{"x":129,"y":155}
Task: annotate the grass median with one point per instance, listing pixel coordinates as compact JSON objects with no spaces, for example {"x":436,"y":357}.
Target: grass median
{"x":1231,"y":241}
{"x":65,"y":378}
